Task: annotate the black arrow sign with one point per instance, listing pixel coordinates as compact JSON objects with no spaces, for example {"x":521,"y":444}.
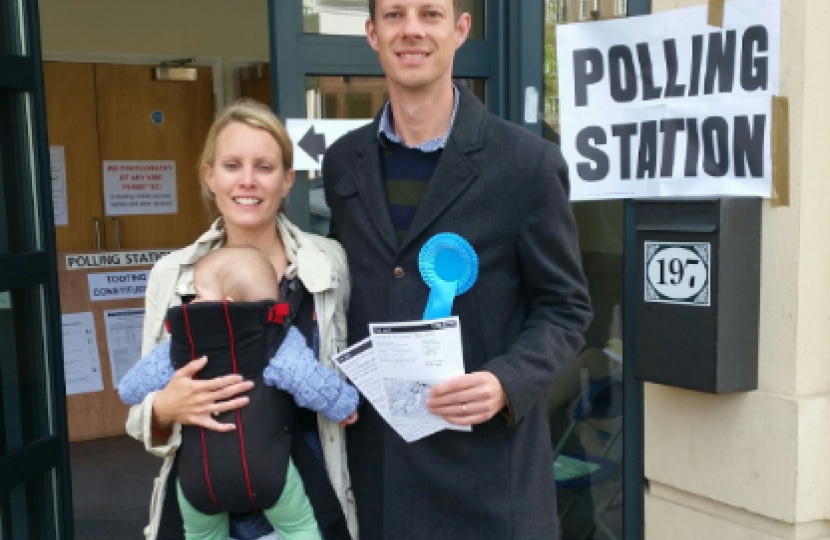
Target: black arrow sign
{"x":313,"y":144}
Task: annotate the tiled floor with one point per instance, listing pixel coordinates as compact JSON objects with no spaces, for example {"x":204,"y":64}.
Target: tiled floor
{"x":111,"y":484}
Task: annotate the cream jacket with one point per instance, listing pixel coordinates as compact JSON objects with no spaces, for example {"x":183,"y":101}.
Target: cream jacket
{"x":321,"y":265}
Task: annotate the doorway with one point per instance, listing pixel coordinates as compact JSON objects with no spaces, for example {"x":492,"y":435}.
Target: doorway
{"x":101,"y":117}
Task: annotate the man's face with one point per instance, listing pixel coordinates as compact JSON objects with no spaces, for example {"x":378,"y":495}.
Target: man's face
{"x":416,"y":41}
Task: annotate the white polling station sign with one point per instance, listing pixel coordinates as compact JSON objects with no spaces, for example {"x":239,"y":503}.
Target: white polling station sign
{"x":665,"y":105}
{"x":81,"y":261}
{"x":312,"y":137}
{"x":117,"y":285}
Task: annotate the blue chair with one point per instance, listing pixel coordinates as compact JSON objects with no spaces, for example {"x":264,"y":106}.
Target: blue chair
{"x":596,"y":414}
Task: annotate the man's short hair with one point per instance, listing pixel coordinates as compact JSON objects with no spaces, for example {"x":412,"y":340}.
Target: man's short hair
{"x":456,"y":6}
{"x":242,"y":273}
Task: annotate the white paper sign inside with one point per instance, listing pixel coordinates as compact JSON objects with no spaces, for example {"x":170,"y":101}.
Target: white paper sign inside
{"x":124,"y":328}
{"x":81,"y":363}
{"x":140,"y":188}
{"x":117,"y":285}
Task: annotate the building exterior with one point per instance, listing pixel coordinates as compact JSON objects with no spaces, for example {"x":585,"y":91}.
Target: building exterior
{"x":683,"y":465}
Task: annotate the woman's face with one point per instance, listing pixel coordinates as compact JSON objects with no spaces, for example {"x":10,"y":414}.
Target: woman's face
{"x":247,"y":178}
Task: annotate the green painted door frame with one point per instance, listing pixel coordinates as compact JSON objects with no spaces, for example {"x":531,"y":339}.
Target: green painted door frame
{"x":35,"y":490}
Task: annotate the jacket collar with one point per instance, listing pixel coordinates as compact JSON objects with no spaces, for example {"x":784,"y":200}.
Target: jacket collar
{"x":453,"y":175}
{"x":305,"y":259}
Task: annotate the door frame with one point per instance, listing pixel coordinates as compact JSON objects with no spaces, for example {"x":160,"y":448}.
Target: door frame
{"x":24,"y":73}
{"x":634,"y":480}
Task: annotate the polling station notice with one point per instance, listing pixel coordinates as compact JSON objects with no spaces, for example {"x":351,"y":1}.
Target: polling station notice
{"x":666,"y":105}
{"x":117,"y":285}
{"x":81,"y":261}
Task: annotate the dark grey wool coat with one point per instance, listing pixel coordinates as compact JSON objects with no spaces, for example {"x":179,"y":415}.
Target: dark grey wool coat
{"x":506,"y":191}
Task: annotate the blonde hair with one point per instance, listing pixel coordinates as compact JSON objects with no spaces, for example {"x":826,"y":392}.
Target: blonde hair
{"x":242,"y":273}
{"x":253,"y":114}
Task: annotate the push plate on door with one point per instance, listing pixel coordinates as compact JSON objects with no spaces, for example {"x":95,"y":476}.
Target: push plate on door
{"x":678,"y":273}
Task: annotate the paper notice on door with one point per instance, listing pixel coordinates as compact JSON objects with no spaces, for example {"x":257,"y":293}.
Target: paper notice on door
{"x":57,"y":163}
{"x":140,"y":188}
{"x":124,"y":329}
{"x":397,"y":366}
{"x":81,"y":363}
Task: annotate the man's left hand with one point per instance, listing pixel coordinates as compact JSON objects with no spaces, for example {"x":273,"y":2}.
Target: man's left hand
{"x":469,"y":399}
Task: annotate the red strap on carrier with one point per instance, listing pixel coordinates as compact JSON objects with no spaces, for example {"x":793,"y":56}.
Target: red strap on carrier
{"x":238,"y":413}
{"x":201,"y":429}
{"x":278,"y":313}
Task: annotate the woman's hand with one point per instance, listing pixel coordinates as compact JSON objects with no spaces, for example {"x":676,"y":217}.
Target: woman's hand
{"x":195,"y":402}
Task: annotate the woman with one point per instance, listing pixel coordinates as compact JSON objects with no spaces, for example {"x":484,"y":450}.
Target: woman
{"x":246,"y":174}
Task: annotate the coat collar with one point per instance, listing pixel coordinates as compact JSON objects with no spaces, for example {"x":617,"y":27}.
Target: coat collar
{"x":455,"y":171}
{"x":305,"y":259}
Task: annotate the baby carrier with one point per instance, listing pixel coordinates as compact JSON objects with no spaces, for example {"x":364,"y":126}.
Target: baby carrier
{"x":244,"y":469}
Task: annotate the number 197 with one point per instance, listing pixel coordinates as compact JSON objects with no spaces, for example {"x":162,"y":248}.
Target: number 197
{"x":677,"y":269}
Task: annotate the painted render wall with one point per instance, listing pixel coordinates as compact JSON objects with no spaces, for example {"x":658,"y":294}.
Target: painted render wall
{"x":754,"y":465}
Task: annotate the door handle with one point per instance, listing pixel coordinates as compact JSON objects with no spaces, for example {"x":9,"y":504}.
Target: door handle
{"x":97,"y":223}
{"x":117,"y":232}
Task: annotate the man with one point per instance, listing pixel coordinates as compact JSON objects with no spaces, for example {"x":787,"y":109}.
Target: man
{"x":433,"y":161}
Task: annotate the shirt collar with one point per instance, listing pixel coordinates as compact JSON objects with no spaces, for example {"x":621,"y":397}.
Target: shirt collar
{"x":432,"y":145}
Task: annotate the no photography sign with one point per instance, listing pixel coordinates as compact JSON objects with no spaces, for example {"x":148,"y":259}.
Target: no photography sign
{"x":666,"y":105}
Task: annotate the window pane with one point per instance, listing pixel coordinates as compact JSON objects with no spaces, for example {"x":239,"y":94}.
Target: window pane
{"x":586,"y":403}
{"x":28,"y":511}
{"x":12,"y":32}
{"x":20,"y":223}
{"x":348,"y":17}
{"x":25,"y":401}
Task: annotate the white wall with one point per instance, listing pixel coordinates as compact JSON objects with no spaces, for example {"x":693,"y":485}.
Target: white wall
{"x":224,"y":29}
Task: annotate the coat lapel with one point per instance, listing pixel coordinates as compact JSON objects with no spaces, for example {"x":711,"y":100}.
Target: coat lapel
{"x":455,"y":171}
{"x":369,"y":184}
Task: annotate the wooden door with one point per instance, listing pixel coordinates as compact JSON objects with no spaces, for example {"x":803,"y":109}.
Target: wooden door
{"x":72,"y":122}
{"x":128,"y":100}
{"x":255,"y":83}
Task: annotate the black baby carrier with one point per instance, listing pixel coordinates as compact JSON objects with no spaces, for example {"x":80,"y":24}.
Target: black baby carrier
{"x":241,"y":470}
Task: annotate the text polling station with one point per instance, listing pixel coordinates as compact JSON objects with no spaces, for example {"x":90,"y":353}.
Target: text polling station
{"x":665,"y":105}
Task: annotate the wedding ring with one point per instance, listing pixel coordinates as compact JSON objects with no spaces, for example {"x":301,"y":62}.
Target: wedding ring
{"x":464,"y":408}
{"x":215,"y":410}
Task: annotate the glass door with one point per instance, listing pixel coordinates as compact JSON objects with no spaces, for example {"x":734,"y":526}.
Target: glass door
{"x":327,"y":70}
{"x":35,"y":499}
{"x":596,"y":407}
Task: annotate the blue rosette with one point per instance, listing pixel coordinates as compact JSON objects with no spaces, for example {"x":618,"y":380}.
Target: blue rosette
{"x":449,"y":267}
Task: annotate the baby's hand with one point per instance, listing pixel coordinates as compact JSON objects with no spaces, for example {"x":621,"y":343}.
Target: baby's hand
{"x":352,"y":418}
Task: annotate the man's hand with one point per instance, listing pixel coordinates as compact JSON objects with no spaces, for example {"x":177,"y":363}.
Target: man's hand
{"x":468,"y":399}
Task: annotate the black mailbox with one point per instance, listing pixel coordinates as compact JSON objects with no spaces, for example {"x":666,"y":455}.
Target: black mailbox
{"x":698,"y":293}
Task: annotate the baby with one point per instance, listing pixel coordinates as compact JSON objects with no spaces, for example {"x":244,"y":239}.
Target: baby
{"x":235,"y":321}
